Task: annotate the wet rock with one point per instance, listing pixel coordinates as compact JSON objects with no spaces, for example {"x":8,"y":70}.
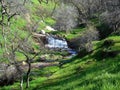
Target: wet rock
{"x":40,"y":38}
{"x":73,"y":44}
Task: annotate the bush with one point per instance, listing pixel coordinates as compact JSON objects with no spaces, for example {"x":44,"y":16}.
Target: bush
{"x":85,"y":40}
{"x":88,"y":36}
{"x":108,"y":43}
{"x":104,"y":30}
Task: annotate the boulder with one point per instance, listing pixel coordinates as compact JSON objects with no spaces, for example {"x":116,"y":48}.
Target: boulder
{"x":73,"y":44}
{"x":42,"y":32}
{"x":9,"y":75}
{"x":50,"y":28}
{"x":40,"y":38}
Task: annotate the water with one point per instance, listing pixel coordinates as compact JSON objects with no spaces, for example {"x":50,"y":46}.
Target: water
{"x":72,"y":52}
{"x":55,"y":43}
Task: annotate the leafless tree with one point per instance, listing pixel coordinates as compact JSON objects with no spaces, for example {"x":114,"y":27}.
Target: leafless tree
{"x":12,"y":42}
{"x":66,"y":18}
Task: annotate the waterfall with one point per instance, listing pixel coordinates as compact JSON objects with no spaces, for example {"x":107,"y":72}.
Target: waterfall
{"x":56,"y":43}
{"x":59,"y":43}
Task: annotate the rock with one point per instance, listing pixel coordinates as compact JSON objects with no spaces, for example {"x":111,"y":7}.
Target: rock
{"x":24,"y":63}
{"x":73,"y":43}
{"x":44,"y":40}
{"x":41,"y":21}
{"x":39,"y":38}
{"x":50,"y":28}
{"x":9,"y":75}
{"x":42,"y":32}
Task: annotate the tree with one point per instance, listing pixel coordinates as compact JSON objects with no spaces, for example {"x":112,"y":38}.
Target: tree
{"x":13,"y":41}
{"x":111,"y":16}
{"x":107,"y":11}
{"x":66,"y":18}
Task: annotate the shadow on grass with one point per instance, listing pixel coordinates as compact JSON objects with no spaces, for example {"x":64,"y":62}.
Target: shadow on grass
{"x":82,"y":78}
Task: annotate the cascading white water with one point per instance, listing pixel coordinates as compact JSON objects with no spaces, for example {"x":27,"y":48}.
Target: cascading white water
{"x":59,"y":43}
{"x":56,"y":43}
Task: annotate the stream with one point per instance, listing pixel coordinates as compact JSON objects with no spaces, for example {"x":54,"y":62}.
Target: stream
{"x":56,"y":43}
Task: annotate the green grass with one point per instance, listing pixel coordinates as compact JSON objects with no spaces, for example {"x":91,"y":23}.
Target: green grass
{"x":20,"y":57}
{"x":49,"y":21}
{"x":116,"y":39}
{"x":84,"y":76}
{"x":91,"y":72}
{"x":86,"y":73}
{"x":74,"y":33}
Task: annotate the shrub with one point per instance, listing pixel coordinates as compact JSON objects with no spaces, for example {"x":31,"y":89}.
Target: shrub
{"x":85,"y":40}
{"x":108,"y":43}
{"x":88,"y":36}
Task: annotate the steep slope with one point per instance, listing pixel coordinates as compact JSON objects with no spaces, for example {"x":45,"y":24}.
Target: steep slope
{"x":99,"y":70}
{"x":96,"y":71}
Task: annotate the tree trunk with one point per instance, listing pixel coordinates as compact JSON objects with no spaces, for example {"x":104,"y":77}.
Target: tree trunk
{"x":21,"y":83}
{"x":28,"y":74}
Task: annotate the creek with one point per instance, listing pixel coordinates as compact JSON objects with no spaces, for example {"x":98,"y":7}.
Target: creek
{"x":58,"y":43}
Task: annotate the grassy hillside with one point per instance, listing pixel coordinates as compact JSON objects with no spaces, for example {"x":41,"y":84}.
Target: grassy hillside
{"x":98,"y":70}
{"x":91,"y":72}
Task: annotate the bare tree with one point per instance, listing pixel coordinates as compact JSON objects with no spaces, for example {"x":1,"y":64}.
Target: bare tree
{"x":66,"y":18}
{"x":111,"y":16}
{"x":13,"y":43}
{"x":9,"y":9}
